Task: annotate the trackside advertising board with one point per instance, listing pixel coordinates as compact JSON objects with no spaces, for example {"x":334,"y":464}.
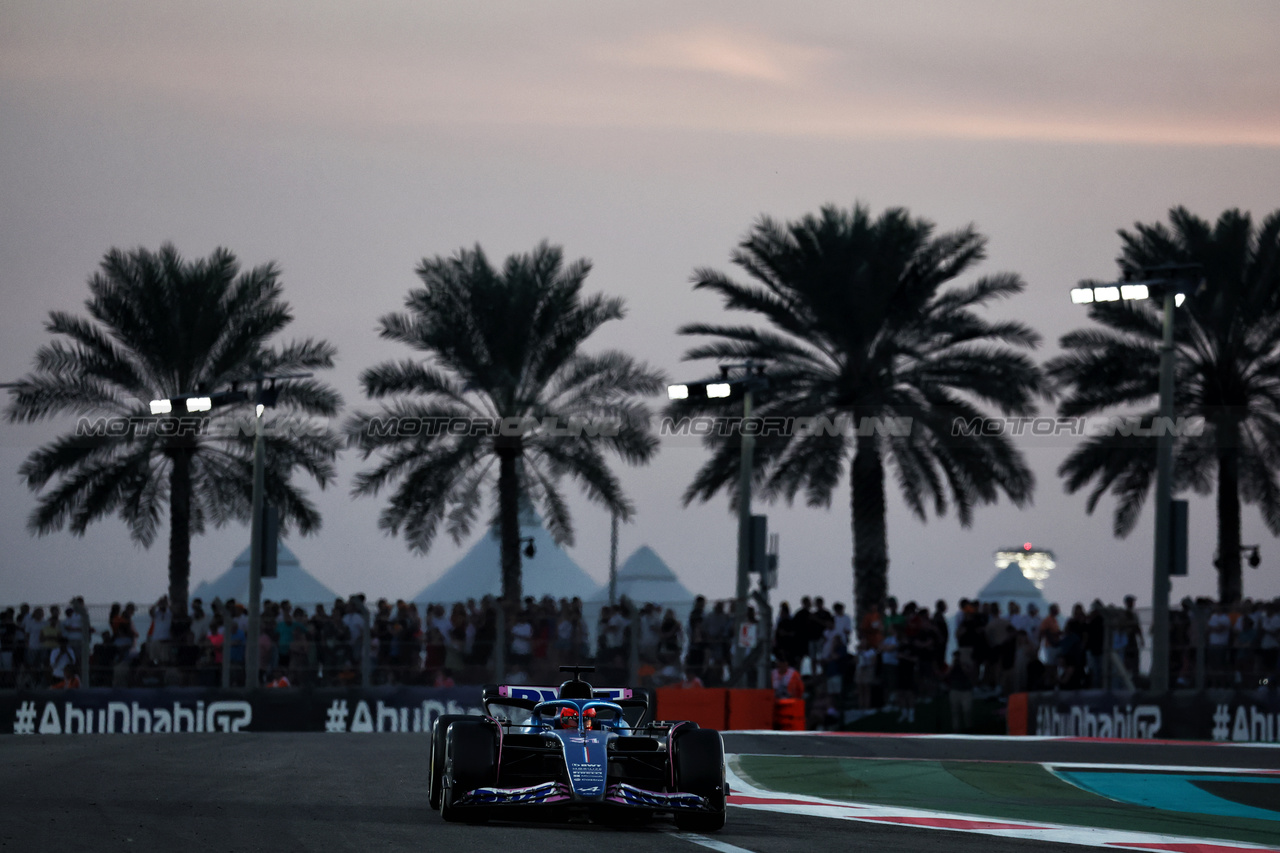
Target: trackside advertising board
{"x":178,"y":710}
{"x":1218,"y":715}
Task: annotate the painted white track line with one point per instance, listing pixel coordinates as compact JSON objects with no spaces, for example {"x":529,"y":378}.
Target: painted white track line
{"x":1006,"y":738}
{"x":1157,"y":768}
{"x":748,"y":795}
{"x":705,"y":841}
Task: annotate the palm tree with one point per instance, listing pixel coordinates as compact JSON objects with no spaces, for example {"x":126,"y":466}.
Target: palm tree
{"x":862,"y":328}
{"x":501,"y":354}
{"x":1227,"y":344}
{"x":160,"y":326}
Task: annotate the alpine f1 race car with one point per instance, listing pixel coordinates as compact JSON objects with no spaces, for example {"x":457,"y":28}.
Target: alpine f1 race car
{"x":575,"y":752}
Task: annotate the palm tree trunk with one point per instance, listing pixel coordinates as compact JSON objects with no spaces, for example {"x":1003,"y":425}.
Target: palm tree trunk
{"x":870,"y":535}
{"x":509,"y":523}
{"x":179,"y":527}
{"x":1230,"y":586}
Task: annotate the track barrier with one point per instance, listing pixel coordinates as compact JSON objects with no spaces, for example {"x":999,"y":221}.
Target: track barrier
{"x":1239,"y":716}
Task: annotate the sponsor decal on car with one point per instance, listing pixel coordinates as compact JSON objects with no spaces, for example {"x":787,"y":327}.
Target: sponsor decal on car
{"x":632,"y":796}
{"x":548,"y":792}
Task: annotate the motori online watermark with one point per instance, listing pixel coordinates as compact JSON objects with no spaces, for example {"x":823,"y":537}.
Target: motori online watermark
{"x":1129,"y":426}
{"x":196,"y":426}
{"x":783,"y":427}
{"x":690,"y":430}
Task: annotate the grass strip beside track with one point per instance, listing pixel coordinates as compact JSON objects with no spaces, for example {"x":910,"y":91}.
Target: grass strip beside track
{"x":987,"y":789}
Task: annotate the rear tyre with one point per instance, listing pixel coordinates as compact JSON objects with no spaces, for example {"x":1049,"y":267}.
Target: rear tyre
{"x":436,"y":756}
{"x":471,"y":761}
{"x":699,"y":760}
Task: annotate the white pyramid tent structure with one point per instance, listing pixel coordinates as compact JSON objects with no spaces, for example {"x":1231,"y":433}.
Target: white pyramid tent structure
{"x":645,"y":578}
{"x":292,"y":583}
{"x":478,"y":573}
{"x":1009,"y":584}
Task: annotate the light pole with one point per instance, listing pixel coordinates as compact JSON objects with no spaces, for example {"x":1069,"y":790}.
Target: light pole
{"x":748,"y":379}
{"x":1172,"y":283}
{"x":263,"y":397}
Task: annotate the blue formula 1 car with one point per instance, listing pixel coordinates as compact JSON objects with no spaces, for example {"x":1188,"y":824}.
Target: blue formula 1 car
{"x":575,"y":752}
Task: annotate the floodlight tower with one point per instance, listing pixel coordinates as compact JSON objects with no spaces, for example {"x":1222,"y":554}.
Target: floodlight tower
{"x":1172,"y":282}
{"x":745,"y":378}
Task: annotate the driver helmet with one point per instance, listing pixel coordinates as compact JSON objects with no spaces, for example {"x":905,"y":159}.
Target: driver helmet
{"x":569,"y":717}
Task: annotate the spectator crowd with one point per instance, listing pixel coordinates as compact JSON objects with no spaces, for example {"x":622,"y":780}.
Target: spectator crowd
{"x":891,"y":658}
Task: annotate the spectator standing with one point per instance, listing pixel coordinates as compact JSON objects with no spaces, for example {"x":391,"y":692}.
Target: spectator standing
{"x":942,"y":632}
{"x":1095,"y":641}
{"x":865,"y":673}
{"x":21,"y":635}
{"x":159,"y":634}
{"x":1269,"y":645}
{"x":1028,"y":622}
{"x":892,"y":618}
{"x":1072,"y":674}
{"x":871,"y":629}
{"x":784,"y":633}
{"x":50,"y":633}
{"x":1219,"y":628}
{"x":996,"y":635}
{"x":842,"y":622}
{"x":670,"y":639}
{"x":302,"y":649}
{"x":61,"y":659}
{"x":696,"y":656}
{"x":522,"y":646}
{"x":959,"y":679}
{"x":715,"y":635}
{"x":353,"y":619}
{"x":787,"y":683}
{"x":818,"y":626}
{"x":73,"y":626}
{"x":889,"y":669}
{"x":200,"y":619}
{"x":802,"y":625}
{"x":1050,"y":638}
{"x":8,"y":641}
{"x":1129,"y":636}
{"x":906,"y":680}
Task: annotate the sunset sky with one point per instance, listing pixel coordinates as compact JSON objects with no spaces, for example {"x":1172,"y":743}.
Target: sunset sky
{"x":346,"y":141}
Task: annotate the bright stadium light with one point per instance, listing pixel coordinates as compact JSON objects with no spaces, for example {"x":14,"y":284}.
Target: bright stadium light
{"x":677,"y":392}
{"x":161,"y":407}
{"x":1106,"y":294}
{"x":1178,"y":299}
{"x":1134,"y":291}
{"x":1082,"y":295}
{"x":719,"y":389}
{"x":199,"y":404}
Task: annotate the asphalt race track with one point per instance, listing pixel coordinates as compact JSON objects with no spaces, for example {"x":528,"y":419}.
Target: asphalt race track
{"x":323,"y":792}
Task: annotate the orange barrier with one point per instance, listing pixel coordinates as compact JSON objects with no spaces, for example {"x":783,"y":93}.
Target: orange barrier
{"x":750,"y":709}
{"x":706,"y":706}
{"x":1017,"y":714}
{"x":788,"y":715}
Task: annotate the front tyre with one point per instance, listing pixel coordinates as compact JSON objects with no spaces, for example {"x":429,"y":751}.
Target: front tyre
{"x":436,"y":759}
{"x":699,"y":760}
{"x":471,"y":761}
